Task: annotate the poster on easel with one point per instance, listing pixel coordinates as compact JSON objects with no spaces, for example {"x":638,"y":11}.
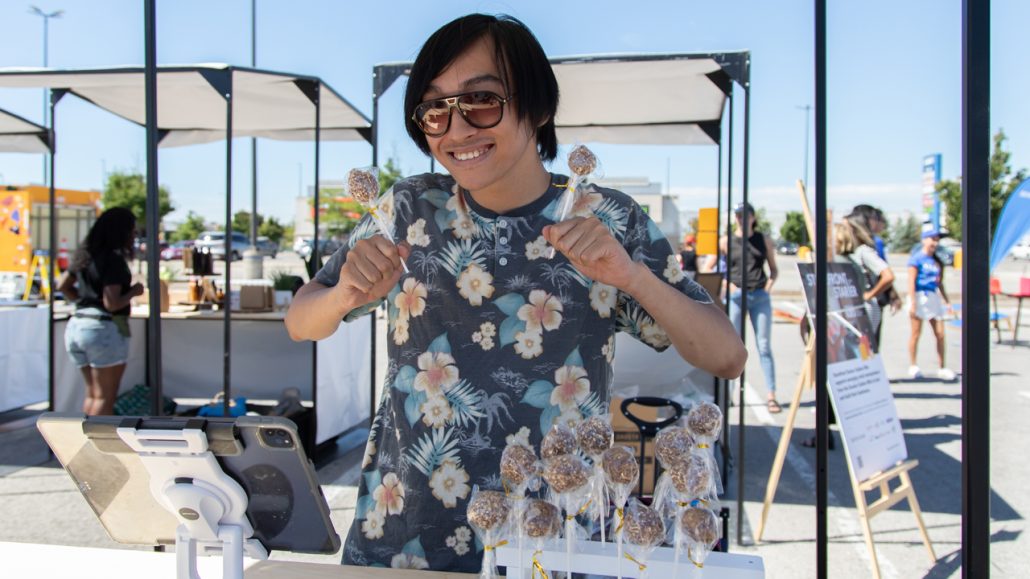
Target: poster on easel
{"x":857,"y":380}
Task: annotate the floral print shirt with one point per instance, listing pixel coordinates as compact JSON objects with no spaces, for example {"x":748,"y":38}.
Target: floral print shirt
{"x":491,"y":342}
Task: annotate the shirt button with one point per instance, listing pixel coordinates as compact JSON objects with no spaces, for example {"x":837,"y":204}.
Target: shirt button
{"x":503,"y":261}
{"x":502,"y":223}
{"x":503,"y":239}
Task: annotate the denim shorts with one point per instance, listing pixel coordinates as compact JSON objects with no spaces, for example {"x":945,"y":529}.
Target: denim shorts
{"x":95,"y":343}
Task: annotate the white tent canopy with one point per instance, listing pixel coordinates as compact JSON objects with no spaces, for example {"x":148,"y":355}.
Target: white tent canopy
{"x":192,"y":107}
{"x":18,"y":135}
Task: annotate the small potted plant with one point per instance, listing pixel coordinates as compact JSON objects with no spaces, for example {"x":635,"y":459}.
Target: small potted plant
{"x":282,"y":284}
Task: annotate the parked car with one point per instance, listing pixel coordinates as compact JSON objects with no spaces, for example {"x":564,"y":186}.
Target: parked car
{"x":326,"y":247}
{"x":267,"y":247}
{"x":214,"y":241}
{"x":1021,"y":251}
{"x":786,"y":247}
{"x":175,"y":250}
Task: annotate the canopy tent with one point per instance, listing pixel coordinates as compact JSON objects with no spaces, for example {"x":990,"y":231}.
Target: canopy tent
{"x":198,"y":104}
{"x":18,"y":135}
{"x":191,"y":108}
{"x":654,"y":99}
{"x":1013,"y":224}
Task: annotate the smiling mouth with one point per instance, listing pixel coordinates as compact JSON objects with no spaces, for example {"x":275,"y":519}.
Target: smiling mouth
{"x":471,"y":155}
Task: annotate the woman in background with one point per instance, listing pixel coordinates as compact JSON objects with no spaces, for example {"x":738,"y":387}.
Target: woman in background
{"x":100,"y":284}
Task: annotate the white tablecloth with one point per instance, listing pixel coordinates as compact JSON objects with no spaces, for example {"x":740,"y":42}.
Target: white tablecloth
{"x":23,"y":360}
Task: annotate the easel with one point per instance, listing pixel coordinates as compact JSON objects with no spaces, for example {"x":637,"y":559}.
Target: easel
{"x":880,"y":481}
{"x":40,"y":261}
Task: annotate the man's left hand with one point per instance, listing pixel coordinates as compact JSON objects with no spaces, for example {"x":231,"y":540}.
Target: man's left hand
{"x":592,"y":250}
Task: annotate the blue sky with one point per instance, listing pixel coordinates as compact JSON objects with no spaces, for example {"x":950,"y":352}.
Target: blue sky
{"x":894,"y":87}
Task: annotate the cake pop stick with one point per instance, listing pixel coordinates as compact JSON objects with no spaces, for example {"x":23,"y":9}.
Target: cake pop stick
{"x":582,"y":162}
{"x":363,"y":186}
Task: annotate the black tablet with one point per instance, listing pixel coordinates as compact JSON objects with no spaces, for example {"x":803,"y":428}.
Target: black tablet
{"x":285,"y":506}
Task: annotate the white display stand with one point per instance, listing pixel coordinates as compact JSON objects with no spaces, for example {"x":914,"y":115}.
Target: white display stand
{"x":210,"y":506}
{"x":595,"y":558}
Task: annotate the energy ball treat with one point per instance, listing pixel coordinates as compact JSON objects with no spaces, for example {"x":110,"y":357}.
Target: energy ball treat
{"x":518,"y":464}
{"x":643,"y":526}
{"x":566,"y":472}
{"x":700,"y":525}
{"x":692,"y":477}
{"x":705,"y":421}
{"x":362,"y":186}
{"x":559,"y":440}
{"x":488,"y":509}
{"x":673,"y":445}
{"x":582,"y":161}
{"x":594,"y":435}
{"x":542,"y":520}
{"x":620,"y":466}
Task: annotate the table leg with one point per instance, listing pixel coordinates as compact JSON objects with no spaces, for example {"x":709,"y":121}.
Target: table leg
{"x":1015,"y":329}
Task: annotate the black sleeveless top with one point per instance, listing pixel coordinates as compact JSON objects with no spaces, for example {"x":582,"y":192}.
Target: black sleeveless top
{"x":757,"y":252}
{"x":689,"y":258}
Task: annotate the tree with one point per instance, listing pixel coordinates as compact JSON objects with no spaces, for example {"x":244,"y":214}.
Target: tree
{"x":241,"y":222}
{"x":189,"y":229}
{"x":129,"y":190}
{"x":904,"y":234}
{"x":339,"y":214}
{"x":272,"y":229}
{"x":389,"y":174}
{"x":1003,"y":183}
{"x":794,"y":229}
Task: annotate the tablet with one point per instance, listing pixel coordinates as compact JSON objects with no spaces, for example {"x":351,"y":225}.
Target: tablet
{"x":285,"y":506}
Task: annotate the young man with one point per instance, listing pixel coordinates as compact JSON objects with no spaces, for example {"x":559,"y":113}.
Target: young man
{"x":490,"y":340}
{"x":927,"y":301}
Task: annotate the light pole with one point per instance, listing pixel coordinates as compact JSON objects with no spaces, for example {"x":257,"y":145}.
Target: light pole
{"x":808,"y":114}
{"x":46,"y":16}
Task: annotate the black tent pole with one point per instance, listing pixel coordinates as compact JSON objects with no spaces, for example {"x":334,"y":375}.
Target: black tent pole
{"x":226,"y":305}
{"x":976,"y":225}
{"x":312,"y":437}
{"x":821,"y":254}
{"x":55,"y":96}
{"x":372,"y":331}
{"x":153,"y":216}
{"x":721,"y":397}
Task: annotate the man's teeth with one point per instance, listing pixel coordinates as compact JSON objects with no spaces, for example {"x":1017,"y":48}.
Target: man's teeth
{"x":469,"y":155}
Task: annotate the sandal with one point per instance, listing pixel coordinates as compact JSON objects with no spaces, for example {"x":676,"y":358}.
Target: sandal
{"x":773,"y":406}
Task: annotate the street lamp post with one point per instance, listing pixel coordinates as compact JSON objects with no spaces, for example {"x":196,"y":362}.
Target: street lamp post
{"x":46,"y":16}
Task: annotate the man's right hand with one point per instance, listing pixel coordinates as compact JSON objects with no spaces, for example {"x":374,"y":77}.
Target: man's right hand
{"x":372,"y":268}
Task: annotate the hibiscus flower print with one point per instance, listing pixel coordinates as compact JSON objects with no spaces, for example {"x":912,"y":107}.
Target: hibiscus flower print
{"x":389,"y":496}
{"x":570,"y":418}
{"x":370,"y":452}
{"x":474,"y":284}
{"x":608,"y":349}
{"x":487,"y":343}
{"x":372,"y":527}
{"x":673,"y":272}
{"x":436,"y":412}
{"x":411,"y":300}
{"x":602,"y":299}
{"x":406,"y":561}
{"x":437,"y":373}
{"x":571,"y":386}
{"x":585,"y":203}
{"x":463,"y":227}
{"x":449,"y":483}
{"x":543,"y":312}
{"x":536,"y":249}
{"x":400,"y":331}
{"x":417,"y":233}
{"x":529,"y":345}
{"x":653,"y":334}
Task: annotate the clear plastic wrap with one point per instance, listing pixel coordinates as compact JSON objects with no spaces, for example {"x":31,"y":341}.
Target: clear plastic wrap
{"x":582,"y":164}
{"x":568,"y":480}
{"x":705,"y":422}
{"x":363,"y":187}
{"x":672,"y":444}
{"x":621,"y":473}
{"x":520,"y":470}
{"x":697,"y":533}
{"x":489,"y":516}
{"x":559,"y":440}
{"x":594,"y":436}
{"x":643,"y":530}
{"x":541,"y":521}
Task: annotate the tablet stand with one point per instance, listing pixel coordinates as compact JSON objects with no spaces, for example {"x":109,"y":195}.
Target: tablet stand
{"x":210,"y":506}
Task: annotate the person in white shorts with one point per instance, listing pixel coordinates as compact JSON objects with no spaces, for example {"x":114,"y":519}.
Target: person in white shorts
{"x":927,"y":301}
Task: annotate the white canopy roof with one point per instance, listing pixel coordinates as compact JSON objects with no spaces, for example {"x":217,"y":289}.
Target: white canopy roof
{"x":18,"y":135}
{"x":192,"y":110}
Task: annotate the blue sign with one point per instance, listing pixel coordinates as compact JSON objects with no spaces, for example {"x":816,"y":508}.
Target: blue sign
{"x":931,"y":200}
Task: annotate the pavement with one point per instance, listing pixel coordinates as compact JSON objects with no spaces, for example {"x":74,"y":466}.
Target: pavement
{"x":41,"y":504}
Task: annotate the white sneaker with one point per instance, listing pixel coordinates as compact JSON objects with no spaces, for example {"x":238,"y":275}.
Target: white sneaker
{"x":914,"y":372}
{"x":946,"y":375}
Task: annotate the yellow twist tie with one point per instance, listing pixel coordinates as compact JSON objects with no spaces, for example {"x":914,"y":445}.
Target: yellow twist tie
{"x":537,"y":567}
{"x":618,"y":512}
{"x":698,"y":565}
{"x":702,"y":445}
{"x":495,"y":545}
{"x":640,"y":565}
{"x":581,"y":511}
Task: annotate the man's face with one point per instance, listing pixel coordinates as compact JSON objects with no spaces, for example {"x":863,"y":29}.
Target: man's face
{"x":489,"y":160}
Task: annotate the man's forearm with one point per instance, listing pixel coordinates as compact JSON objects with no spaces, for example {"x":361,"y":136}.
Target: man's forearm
{"x":701,"y":333}
{"x":315,"y":313}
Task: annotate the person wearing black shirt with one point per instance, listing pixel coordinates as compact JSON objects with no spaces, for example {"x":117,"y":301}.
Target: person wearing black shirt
{"x":688,"y":256}
{"x":100,"y":284}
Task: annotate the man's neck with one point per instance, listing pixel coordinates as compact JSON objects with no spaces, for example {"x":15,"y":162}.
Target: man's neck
{"x":517,"y":190}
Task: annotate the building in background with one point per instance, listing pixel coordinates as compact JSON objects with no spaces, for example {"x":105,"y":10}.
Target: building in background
{"x":661,"y":207}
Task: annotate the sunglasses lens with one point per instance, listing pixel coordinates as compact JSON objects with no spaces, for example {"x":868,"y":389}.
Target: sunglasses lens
{"x":433,"y":117}
{"x":481,"y":109}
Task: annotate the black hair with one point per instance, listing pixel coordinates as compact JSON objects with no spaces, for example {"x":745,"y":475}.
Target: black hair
{"x":525,"y":72}
{"x":112,"y":233}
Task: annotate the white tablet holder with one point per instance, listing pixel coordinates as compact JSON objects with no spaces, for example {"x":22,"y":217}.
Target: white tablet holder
{"x":210,"y":505}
